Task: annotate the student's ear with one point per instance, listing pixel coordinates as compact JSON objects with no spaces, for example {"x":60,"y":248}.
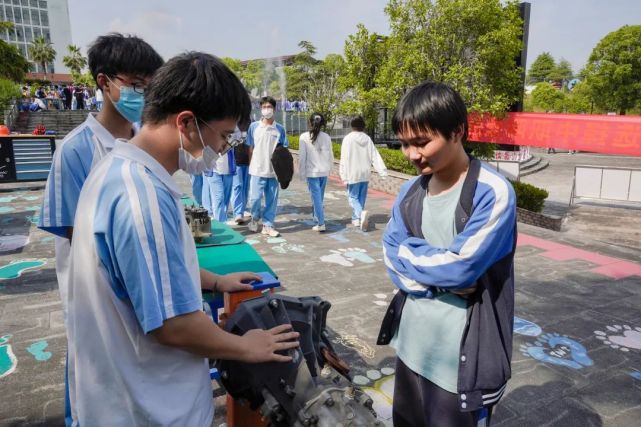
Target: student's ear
{"x":183,"y":120}
{"x":102,"y":81}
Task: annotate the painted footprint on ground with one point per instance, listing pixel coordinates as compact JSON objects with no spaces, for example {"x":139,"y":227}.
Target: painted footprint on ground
{"x":525,"y":327}
{"x":15,"y":269}
{"x":6,"y":209}
{"x":37,"y":350}
{"x":8,"y":361}
{"x":381,"y":391}
{"x":347,"y":257}
{"x":558,"y":350}
{"x":636,"y":375}
{"x":620,"y":337}
{"x":282,"y":247}
{"x":13,"y":242}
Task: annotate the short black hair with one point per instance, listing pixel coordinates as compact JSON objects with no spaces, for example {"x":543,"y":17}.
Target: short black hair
{"x":115,"y":53}
{"x":358,"y":123}
{"x":269,"y":99}
{"x":197,"y":82}
{"x":431,"y":107}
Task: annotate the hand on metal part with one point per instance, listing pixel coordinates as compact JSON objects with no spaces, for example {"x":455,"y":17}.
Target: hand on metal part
{"x":233,"y":282}
{"x":261,"y":345}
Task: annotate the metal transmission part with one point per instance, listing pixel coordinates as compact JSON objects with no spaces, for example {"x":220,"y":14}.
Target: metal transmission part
{"x":199,"y":222}
{"x":314,"y":389}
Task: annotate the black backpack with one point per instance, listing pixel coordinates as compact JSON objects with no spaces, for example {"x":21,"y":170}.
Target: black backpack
{"x":283,"y":164}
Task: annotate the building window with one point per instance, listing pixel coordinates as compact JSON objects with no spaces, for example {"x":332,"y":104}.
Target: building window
{"x":35,"y":17}
{"x":9,"y":13}
{"x":44,"y":18}
{"x":17,"y":16}
{"x":33,"y":3}
{"x":43,"y":4}
{"x":26,"y":16}
{"x":28,"y":34}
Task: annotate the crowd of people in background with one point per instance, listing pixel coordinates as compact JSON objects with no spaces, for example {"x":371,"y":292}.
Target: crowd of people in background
{"x":244,"y":176}
{"x":61,"y":97}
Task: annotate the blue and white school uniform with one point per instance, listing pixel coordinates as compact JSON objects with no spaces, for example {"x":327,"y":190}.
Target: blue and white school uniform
{"x":219,"y":186}
{"x":197,"y":188}
{"x":315,"y":164}
{"x":264,"y":138}
{"x":133,"y":266}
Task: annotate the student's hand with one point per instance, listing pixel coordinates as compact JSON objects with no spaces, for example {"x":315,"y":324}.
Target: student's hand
{"x":261,"y":346}
{"x":233,"y":282}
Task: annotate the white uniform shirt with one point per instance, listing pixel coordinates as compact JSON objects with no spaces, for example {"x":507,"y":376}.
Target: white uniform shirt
{"x":133,"y":266}
{"x":264,"y":138}
{"x":315,"y":159}
{"x":79,"y":152}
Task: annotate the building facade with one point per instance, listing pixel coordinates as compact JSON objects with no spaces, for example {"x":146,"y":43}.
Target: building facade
{"x":35,"y":18}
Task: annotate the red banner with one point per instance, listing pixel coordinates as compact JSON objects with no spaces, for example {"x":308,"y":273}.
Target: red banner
{"x":582,"y":132}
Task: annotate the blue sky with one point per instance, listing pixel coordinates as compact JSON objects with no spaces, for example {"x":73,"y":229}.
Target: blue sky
{"x":246,"y":29}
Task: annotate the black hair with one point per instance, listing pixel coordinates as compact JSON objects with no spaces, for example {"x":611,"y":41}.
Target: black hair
{"x":358,"y":123}
{"x":198,"y":82}
{"x":431,"y":107}
{"x":316,"y":122}
{"x":115,"y":53}
{"x":269,"y":99}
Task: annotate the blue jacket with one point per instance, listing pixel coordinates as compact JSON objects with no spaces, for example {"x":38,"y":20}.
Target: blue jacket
{"x":481,"y":255}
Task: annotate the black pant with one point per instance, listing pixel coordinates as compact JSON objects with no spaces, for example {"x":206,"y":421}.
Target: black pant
{"x":420,"y":403}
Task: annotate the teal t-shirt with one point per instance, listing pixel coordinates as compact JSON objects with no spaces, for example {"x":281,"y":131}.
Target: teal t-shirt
{"x":429,"y":336}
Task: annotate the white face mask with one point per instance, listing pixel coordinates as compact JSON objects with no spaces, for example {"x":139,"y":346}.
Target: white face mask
{"x":267,"y":113}
{"x":191,"y":164}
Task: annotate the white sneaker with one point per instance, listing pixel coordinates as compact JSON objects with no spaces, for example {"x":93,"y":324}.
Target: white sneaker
{"x":247,"y":214}
{"x":356,"y":222}
{"x":364,"y":221}
{"x":269,"y":231}
{"x":253,"y":226}
{"x":319,"y":228}
{"x":231,"y":222}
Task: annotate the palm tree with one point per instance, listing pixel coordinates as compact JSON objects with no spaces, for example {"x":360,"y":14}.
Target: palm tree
{"x":42,"y":53}
{"x":74,"y":61}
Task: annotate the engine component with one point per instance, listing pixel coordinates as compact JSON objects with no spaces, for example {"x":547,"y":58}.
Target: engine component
{"x":315,"y":388}
{"x":199,"y":222}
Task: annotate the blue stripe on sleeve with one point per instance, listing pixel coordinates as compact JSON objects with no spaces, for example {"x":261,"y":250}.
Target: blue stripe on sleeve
{"x":138,"y":235}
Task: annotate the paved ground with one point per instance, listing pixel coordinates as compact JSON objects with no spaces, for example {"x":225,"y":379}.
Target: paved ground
{"x":577,"y":347}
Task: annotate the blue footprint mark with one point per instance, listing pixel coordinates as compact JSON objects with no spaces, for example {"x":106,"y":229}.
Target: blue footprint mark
{"x":6,"y":209}
{"x":8,"y":199}
{"x":8,"y":361}
{"x":340,"y":237}
{"x":16,"y":268}
{"x":33,"y":208}
{"x":558,"y":350}
{"x":525,"y":327}
{"x":33,"y":219}
{"x":7,"y":220}
{"x":636,"y":375}
{"x":30,"y":198}
{"x":37,"y":350}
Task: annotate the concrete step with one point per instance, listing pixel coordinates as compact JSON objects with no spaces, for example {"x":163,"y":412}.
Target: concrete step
{"x":531,"y":163}
{"x":540,"y":165}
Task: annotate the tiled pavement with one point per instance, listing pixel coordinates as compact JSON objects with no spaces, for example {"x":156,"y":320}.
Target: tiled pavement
{"x":577,"y":350}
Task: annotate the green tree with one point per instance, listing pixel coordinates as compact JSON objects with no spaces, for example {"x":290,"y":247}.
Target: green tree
{"x":562,"y":72}
{"x":365,"y":52}
{"x":13,"y":65}
{"x":324,"y":94}
{"x":579,"y":100}
{"x":547,"y":98}
{"x":74,"y":61}
{"x":8,"y":90}
{"x":42,"y":53}
{"x":613,"y":72}
{"x":298,"y":74}
{"x":541,"y":68}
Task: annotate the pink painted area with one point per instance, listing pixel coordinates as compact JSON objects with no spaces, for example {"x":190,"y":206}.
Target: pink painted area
{"x":608,"y":266}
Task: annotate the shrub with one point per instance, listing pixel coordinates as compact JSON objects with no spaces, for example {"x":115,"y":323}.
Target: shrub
{"x":396,"y":161}
{"x":529,"y":197}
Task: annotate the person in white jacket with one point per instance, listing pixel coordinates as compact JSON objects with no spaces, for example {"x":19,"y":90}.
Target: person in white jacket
{"x":315,"y":164}
{"x":358,"y":155}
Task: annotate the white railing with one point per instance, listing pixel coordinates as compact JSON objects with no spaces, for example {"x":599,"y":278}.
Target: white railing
{"x":606,"y":183}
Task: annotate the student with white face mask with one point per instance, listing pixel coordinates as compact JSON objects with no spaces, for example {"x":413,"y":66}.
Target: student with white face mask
{"x":138,"y":338}
{"x":122,"y":66}
{"x":263,"y":136}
